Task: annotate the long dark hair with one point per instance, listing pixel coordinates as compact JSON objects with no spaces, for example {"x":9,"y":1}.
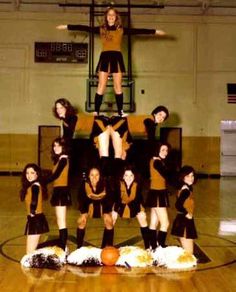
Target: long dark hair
{"x":130,"y":167}
{"x":160,"y":108}
{"x":118,"y":21}
{"x":25,"y":184}
{"x":70,"y":110}
{"x":158,"y":148}
{"x":185,"y":170}
{"x":62,"y":142}
{"x":101,"y":183}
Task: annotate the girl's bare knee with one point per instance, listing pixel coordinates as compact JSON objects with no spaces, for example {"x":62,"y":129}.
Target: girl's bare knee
{"x":81,"y":222}
{"x":142,"y":218}
{"x":108,"y":221}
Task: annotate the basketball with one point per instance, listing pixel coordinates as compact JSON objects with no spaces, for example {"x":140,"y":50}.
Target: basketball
{"x":109,"y":255}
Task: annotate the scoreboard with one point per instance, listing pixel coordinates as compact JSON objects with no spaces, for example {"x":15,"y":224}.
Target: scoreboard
{"x":59,"y":52}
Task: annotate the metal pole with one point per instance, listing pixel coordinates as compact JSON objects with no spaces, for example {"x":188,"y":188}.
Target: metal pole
{"x":129,"y":44}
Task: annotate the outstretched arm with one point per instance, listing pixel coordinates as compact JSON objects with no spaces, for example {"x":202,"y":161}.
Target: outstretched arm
{"x":78,"y":27}
{"x":160,"y":32}
{"x":61,"y":26}
{"x":143,"y":31}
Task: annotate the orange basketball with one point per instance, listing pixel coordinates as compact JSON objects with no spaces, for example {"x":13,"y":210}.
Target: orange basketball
{"x":109,"y":255}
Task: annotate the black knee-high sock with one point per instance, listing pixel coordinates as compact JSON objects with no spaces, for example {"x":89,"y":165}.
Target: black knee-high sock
{"x":53,"y":242}
{"x":145,"y":235}
{"x":153,"y":238}
{"x":63,"y":233}
{"x":105,"y":166}
{"x":98,"y":102}
{"x":161,"y":238}
{"x":119,"y":103}
{"x":108,"y":235}
{"x":80,"y":237}
{"x":118,"y":167}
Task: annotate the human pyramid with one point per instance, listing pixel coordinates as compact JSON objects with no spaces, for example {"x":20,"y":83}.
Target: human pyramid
{"x":108,"y":192}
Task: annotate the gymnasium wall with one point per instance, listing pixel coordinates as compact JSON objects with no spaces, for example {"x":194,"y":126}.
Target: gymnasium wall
{"x":188,"y":74}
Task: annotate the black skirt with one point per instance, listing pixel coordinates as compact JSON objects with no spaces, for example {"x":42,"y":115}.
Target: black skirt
{"x":134,"y":209}
{"x":98,"y":208}
{"x":102,"y":122}
{"x":36,"y":225}
{"x":123,"y":128}
{"x":61,"y":197}
{"x":111,"y":62}
{"x":184,"y":227}
{"x":157,"y":198}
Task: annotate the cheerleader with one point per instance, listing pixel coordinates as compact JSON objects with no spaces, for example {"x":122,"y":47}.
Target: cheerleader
{"x":95,"y":200}
{"x":61,"y":197}
{"x":114,"y":129}
{"x":33,"y":193}
{"x":65,"y":112}
{"x":159,"y":115}
{"x":183,"y":225}
{"x":111,"y":60}
{"x":157,"y":198}
{"x":129,"y":202}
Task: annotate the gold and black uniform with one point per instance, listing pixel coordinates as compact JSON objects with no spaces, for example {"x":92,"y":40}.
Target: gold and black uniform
{"x":36,"y":220}
{"x":129,"y":201}
{"x":111,"y":59}
{"x":183,"y":226}
{"x":151,"y":143}
{"x":68,"y":127}
{"x":119,"y":124}
{"x":61,"y":193}
{"x":95,"y":202}
{"x":150,"y":128}
{"x":158,"y":193}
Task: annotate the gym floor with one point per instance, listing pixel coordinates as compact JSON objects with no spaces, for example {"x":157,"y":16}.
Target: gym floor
{"x":215,"y":248}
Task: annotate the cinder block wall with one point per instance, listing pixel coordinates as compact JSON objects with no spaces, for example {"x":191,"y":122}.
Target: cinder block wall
{"x":188,"y":75}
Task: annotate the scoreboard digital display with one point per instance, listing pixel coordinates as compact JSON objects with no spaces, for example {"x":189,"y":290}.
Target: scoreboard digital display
{"x":58,"y":52}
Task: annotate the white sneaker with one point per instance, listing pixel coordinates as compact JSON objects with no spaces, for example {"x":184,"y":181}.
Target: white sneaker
{"x":96,"y":114}
{"x":122,"y":114}
{"x":67,"y":251}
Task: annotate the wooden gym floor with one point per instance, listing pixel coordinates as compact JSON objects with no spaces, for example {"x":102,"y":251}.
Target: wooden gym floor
{"x":215,"y":248}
